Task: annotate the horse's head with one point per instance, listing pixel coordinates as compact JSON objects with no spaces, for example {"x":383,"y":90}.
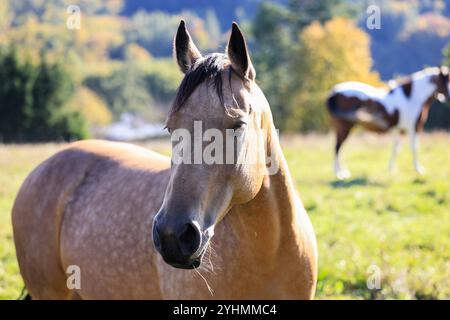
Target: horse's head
{"x":217,"y":124}
{"x":442,"y":84}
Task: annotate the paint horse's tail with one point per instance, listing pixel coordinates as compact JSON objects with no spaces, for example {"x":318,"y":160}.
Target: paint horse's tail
{"x":357,"y":115}
{"x":332,"y":103}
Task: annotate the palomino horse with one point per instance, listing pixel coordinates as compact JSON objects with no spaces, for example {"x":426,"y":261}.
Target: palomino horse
{"x":91,"y":208}
{"x":404,"y":108}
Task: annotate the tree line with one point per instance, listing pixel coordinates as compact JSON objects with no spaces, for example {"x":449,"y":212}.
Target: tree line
{"x":32,"y":101}
{"x":60,"y":85}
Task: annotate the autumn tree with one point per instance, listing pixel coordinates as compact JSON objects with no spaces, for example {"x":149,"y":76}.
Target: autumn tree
{"x":275,"y":32}
{"x":328,"y":53}
{"x":92,"y":107}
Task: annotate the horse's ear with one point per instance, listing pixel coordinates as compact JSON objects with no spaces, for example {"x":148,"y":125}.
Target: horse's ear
{"x":184,"y":49}
{"x":238,"y":54}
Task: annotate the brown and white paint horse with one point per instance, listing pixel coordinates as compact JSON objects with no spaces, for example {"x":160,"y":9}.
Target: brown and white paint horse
{"x":403,"y":109}
{"x":140,"y":228}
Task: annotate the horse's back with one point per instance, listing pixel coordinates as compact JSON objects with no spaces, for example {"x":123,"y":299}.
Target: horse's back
{"x":67,"y":181}
{"x":360,"y":90}
{"x":352,"y":103}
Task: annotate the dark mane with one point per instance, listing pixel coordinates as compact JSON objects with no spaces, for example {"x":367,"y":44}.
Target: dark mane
{"x":405,"y":83}
{"x":207,"y":69}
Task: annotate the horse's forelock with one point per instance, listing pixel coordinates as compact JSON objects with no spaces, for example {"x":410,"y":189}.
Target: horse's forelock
{"x":207,"y":69}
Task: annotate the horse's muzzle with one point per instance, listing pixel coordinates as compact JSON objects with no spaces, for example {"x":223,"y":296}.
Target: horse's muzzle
{"x":178,"y":243}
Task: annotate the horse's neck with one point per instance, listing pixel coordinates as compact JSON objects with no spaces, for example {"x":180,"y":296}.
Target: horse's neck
{"x":266,"y":244}
{"x":267,"y":222}
{"x":422,"y":90}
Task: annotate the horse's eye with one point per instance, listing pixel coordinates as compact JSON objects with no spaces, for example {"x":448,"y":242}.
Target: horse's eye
{"x":239,"y":125}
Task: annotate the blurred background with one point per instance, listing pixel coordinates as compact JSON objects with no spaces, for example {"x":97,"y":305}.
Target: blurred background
{"x":105,"y":69}
{"x":113,"y":76}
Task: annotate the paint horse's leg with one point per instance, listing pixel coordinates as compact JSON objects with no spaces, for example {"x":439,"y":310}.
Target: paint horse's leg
{"x":413,"y":140}
{"x":342,"y":131}
{"x":395,"y":150}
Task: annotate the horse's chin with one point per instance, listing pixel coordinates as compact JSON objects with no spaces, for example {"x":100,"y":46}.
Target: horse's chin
{"x":194,"y":264}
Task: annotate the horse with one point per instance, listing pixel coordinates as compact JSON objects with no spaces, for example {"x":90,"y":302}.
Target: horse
{"x":133,"y":224}
{"x":402,"y":109}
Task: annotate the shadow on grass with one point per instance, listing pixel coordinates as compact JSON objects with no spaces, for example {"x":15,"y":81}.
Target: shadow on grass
{"x":419,"y":180}
{"x":354,"y":182}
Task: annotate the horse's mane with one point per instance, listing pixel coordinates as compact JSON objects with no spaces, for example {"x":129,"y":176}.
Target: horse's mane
{"x":403,"y":82}
{"x":209,"y":69}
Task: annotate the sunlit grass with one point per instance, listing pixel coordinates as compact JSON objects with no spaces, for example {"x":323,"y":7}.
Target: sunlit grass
{"x":399,"y":222}
{"x":15,"y":163}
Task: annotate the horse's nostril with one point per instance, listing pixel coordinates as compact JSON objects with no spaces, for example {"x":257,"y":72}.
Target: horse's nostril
{"x":190,"y":239}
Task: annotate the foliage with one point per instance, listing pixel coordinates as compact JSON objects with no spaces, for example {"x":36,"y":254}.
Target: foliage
{"x":273,"y":49}
{"x":225,"y":10}
{"x":275,"y":31}
{"x":112,"y":56}
{"x":5,"y":16}
{"x":123,"y":90}
{"x":296,"y":72}
{"x":162,"y":77}
{"x":120,"y":41}
{"x":446,"y":52}
{"x":412,"y":36}
{"x":303,"y":13}
{"x":141,"y":86}
{"x":32,"y":99}
{"x":91,"y":107}
{"x":322,"y":60}
{"x":155,"y":30}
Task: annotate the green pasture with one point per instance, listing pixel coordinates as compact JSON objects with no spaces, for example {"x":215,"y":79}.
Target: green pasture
{"x":396,"y":223}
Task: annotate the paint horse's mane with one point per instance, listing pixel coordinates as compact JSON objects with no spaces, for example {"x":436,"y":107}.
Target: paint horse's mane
{"x":208,"y":68}
{"x":405,"y":83}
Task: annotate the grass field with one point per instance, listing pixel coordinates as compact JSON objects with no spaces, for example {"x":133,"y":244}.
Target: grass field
{"x":398,"y":222}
